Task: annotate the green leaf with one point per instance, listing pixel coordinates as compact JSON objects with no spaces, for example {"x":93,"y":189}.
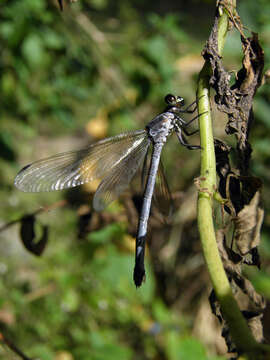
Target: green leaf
{"x":33,"y":50}
{"x":70,"y":301}
{"x":261,"y":282}
{"x":262,"y":111}
{"x":187,"y":348}
{"x":106,"y":234}
{"x":104,"y":349}
{"x":52,"y":39}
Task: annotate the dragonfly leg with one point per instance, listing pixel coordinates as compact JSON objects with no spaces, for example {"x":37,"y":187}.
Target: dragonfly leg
{"x":189,"y":133}
{"x":195,"y":117}
{"x":191,"y":121}
{"x":184,"y":142}
{"x":187,"y":110}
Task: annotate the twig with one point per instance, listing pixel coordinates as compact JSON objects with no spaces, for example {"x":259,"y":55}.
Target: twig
{"x":13,"y":347}
{"x":56,"y":205}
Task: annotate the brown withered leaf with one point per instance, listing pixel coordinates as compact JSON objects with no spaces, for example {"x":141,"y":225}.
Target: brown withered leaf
{"x":248,"y":224}
{"x":254,"y":320}
{"x":232,"y":263}
{"x":239,"y":190}
{"x":27,"y":229}
{"x":28,"y":235}
{"x":236,"y":100}
{"x":252,"y":62}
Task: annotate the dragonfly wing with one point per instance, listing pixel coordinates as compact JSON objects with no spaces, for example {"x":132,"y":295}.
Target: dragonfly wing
{"x":162,"y":194}
{"x":145,"y":169}
{"x":75,"y":168}
{"x":120,"y":176}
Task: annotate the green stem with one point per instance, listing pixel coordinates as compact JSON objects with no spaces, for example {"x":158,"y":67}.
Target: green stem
{"x":239,"y":329}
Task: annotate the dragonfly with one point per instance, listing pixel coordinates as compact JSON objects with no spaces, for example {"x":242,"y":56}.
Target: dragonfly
{"x":114,"y":161}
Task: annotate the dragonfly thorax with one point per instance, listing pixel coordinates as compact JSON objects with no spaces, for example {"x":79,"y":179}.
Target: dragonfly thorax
{"x":161,"y":127}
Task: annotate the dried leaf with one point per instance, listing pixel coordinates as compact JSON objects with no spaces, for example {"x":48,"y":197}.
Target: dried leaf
{"x":27,"y":230}
{"x":28,"y":235}
{"x":248,"y":225}
{"x":254,"y":320}
{"x":232,"y":264}
{"x":252,"y":62}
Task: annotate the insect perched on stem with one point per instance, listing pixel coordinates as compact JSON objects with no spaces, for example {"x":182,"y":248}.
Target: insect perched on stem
{"x":115,"y":160}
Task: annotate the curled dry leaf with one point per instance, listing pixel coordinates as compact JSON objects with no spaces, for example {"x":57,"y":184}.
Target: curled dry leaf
{"x":28,"y":235}
{"x":253,"y":62}
{"x":248,"y":224}
{"x":236,"y":100}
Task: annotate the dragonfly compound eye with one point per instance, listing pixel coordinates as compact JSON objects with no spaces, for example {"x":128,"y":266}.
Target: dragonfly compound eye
{"x":170,"y":99}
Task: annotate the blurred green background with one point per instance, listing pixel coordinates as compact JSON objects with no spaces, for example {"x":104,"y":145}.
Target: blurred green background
{"x":69,"y":78}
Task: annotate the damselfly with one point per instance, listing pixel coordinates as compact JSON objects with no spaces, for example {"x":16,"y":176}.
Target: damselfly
{"x":114,"y":161}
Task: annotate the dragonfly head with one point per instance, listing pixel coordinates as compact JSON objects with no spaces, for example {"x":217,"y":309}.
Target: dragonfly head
{"x":174,"y":100}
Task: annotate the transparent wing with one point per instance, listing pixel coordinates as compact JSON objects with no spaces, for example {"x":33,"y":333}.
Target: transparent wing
{"x":145,"y":169}
{"x":162,"y":194}
{"x":75,"y":168}
{"x":120,"y":176}
{"x":162,"y":198}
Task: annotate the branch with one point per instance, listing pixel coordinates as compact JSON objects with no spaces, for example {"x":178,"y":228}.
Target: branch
{"x":239,"y":330}
{"x":56,"y":205}
{"x":13,"y":347}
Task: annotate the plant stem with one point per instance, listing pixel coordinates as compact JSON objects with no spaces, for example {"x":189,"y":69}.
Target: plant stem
{"x":239,"y":329}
